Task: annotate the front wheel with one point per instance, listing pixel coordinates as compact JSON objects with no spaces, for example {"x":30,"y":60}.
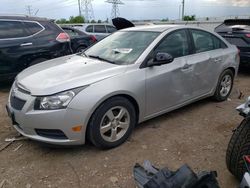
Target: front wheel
{"x":112,"y":123}
{"x":238,"y":146}
{"x":224,"y":86}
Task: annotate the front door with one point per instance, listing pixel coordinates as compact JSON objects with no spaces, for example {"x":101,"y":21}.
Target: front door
{"x":169,"y":85}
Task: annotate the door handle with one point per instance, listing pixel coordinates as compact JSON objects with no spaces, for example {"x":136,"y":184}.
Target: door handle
{"x":26,"y":44}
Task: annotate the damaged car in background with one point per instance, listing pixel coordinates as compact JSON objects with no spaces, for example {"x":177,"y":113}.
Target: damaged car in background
{"x":131,"y":76}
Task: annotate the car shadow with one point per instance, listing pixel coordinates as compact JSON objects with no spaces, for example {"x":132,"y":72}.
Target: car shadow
{"x":5,"y":86}
{"x":154,"y":122}
{"x":244,"y":70}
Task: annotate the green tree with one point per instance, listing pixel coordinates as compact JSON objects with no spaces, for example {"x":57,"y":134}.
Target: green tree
{"x":62,"y":21}
{"x":76,"y":19}
{"x":93,"y":21}
{"x":189,"y":18}
{"x":165,"y":20}
{"x":99,"y":21}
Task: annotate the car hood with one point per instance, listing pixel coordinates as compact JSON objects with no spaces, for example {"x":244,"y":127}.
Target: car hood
{"x":65,"y":73}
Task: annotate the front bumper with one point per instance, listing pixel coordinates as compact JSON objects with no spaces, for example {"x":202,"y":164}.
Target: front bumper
{"x":52,"y":126}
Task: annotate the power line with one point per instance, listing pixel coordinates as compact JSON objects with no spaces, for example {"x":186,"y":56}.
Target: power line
{"x":115,"y":9}
{"x":29,"y":10}
{"x":87,"y":9}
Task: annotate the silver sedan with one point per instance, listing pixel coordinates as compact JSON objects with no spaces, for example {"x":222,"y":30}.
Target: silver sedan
{"x":129,"y":77}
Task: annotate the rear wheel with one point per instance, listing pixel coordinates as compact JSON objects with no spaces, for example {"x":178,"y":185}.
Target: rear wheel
{"x":238,"y":146}
{"x":225,"y":86}
{"x":112,"y":123}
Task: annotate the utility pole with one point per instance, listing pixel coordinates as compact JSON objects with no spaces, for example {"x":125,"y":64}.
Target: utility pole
{"x":79,"y":6}
{"x":183,"y":9}
{"x":87,"y":9}
{"x":115,"y":8}
{"x":29,"y":10}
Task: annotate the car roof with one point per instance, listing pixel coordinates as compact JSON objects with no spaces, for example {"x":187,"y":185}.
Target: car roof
{"x":154,"y":28}
{"x":24,"y":17}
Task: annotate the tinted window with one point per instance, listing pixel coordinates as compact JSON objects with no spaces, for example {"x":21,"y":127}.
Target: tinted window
{"x":111,"y":29}
{"x":203,"y":41}
{"x":175,"y":44}
{"x":32,"y":27}
{"x":99,"y":29}
{"x":11,"y":29}
{"x":89,"y":29}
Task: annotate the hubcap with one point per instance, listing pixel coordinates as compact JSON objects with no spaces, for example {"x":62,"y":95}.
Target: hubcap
{"x":225,"y":85}
{"x":115,"y":124}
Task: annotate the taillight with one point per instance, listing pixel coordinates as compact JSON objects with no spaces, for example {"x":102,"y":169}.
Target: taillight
{"x":248,"y":35}
{"x":93,"y":38}
{"x":63,"y":37}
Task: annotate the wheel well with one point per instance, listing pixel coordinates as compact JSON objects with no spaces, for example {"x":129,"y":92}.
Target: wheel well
{"x":128,"y":97}
{"x":232,"y":69}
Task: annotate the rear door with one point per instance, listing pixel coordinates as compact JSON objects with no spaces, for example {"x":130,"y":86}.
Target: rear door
{"x":206,"y":61}
{"x":14,"y":41}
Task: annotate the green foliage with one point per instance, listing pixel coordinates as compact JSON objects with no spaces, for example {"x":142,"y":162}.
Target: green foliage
{"x":72,"y":19}
{"x":207,"y":18}
{"x":99,"y":21}
{"x":165,"y":20}
{"x":189,"y":18}
{"x":93,"y":21}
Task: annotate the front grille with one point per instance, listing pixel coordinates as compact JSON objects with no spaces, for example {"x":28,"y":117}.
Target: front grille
{"x":17,"y":103}
{"x":51,"y":133}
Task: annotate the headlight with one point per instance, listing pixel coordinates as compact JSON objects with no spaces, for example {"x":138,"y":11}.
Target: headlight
{"x":57,"y":101}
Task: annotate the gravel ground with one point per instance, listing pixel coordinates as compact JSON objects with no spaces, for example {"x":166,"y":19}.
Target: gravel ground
{"x":197,"y":134}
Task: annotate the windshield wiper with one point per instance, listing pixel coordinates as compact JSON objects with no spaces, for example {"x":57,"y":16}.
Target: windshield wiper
{"x":100,"y":58}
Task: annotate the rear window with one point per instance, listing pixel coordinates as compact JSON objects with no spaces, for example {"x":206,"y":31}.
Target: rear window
{"x":237,"y":22}
{"x":33,"y":27}
{"x":99,"y":29}
{"x":12,"y":29}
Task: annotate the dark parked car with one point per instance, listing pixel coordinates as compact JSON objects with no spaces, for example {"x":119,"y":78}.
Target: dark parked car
{"x":25,"y":41}
{"x":79,"y":39}
{"x":237,"y":32}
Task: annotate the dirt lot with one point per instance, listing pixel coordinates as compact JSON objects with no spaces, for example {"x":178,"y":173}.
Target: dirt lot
{"x":197,"y":135}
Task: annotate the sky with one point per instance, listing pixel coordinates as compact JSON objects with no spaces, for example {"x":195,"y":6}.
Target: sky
{"x":131,"y":9}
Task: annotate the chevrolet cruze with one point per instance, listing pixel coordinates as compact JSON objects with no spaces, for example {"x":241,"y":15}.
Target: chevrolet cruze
{"x":129,"y":77}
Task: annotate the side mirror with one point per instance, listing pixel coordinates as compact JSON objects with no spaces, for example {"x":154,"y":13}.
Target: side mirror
{"x":160,"y":58}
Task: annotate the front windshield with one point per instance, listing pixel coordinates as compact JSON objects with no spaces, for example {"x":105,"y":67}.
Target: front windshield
{"x":123,"y":47}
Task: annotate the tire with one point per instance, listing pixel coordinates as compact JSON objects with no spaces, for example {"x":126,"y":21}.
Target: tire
{"x":36,"y":61}
{"x":101,"y":118}
{"x":80,"y":49}
{"x":238,"y":146}
{"x":224,"y":87}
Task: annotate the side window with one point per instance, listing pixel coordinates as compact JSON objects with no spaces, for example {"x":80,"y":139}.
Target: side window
{"x":176,"y":44}
{"x":32,"y":27}
{"x":111,"y":29}
{"x":99,"y":29}
{"x":89,"y":29}
{"x":218,"y":43}
{"x":12,"y":29}
{"x":203,"y":41}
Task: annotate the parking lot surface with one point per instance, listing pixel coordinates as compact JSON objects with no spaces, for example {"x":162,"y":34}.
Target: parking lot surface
{"x":197,"y":135}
